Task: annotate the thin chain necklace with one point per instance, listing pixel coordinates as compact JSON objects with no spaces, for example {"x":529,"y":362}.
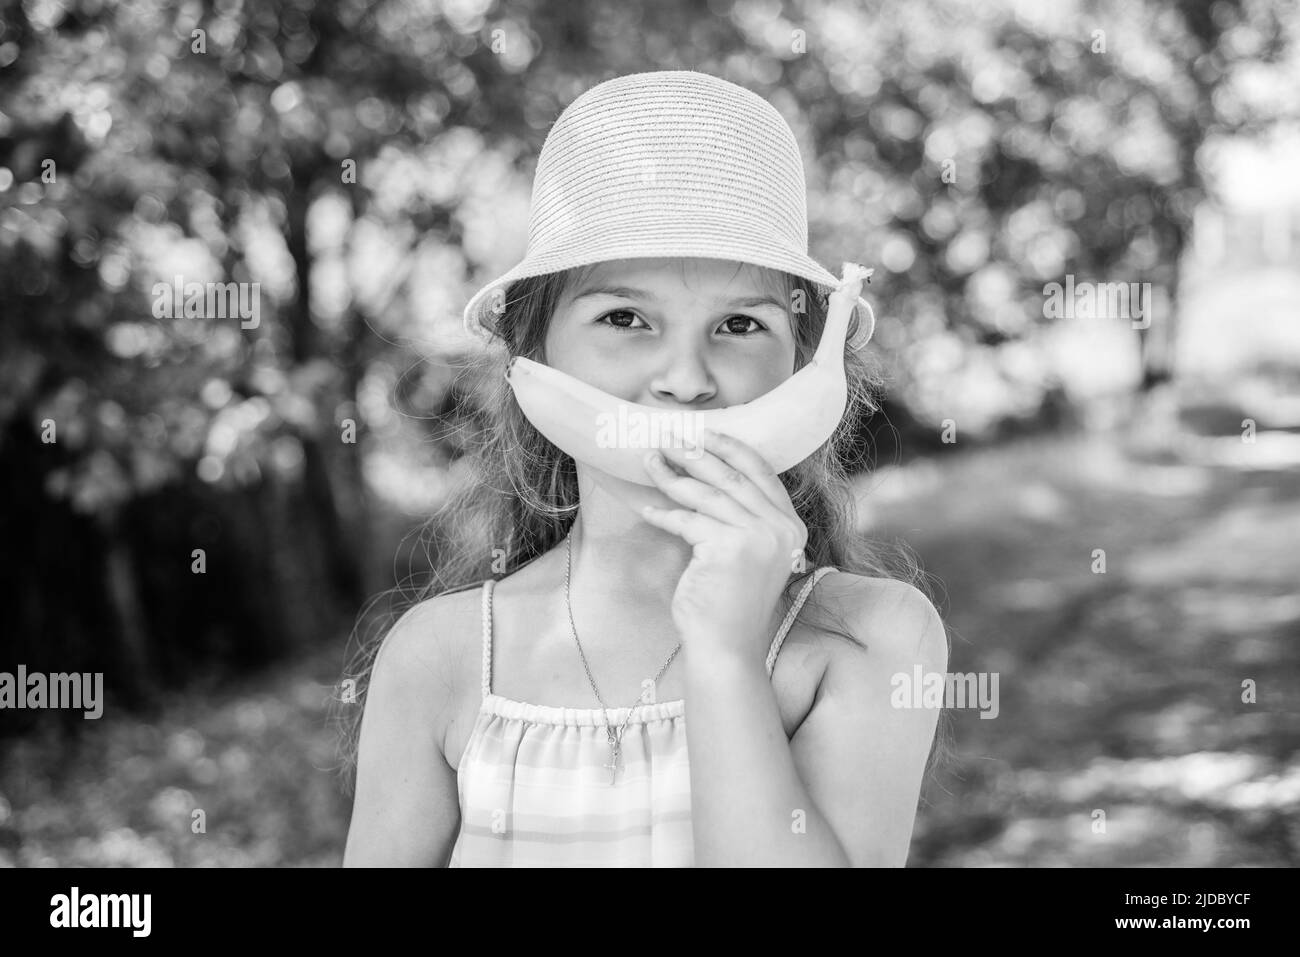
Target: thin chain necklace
{"x":615,"y":740}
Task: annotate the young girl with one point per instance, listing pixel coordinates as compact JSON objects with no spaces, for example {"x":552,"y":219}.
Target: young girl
{"x":610,"y":673}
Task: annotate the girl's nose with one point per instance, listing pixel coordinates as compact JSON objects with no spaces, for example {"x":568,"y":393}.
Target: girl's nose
{"x":683,"y":378}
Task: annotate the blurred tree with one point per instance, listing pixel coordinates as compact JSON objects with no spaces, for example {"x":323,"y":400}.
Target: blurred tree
{"x":1005,"y":148}
{"x":975,"y":155}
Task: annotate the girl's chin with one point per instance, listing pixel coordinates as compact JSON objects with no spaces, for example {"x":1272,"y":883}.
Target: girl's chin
{"x":632,"y":495}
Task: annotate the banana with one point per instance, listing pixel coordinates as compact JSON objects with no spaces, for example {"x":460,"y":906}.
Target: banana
{"x":785,"y":425}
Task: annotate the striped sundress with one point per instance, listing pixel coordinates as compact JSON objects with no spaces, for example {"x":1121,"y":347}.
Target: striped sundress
{"x":534,"y":780}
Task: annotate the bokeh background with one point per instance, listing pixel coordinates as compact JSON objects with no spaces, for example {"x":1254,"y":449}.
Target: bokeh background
{"x":971,"y":153}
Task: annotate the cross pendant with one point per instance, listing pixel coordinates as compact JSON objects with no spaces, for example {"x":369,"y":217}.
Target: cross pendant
{"x":613,"y":760}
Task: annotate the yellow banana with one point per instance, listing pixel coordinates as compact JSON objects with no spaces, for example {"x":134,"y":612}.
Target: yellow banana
{"x":785,"y":425}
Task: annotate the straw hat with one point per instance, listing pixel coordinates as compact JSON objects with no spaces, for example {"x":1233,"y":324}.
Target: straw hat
{"x":665,"y":164}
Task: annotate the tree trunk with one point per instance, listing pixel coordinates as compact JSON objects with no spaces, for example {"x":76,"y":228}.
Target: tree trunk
{"x":339,"y":558}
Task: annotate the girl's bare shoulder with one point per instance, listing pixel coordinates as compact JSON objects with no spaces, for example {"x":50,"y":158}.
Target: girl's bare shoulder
{"x":875,"y":609}
{"x":433,"y":654}
{"x":437,"y":630}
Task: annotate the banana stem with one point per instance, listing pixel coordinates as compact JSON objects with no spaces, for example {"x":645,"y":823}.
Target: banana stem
{"x":839,"y":308}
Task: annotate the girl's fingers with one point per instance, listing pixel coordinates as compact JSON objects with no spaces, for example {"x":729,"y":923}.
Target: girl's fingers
{"x":713,"y":471}
{"x":746,"y":460}
{"x":691,"y":526}
{"x":707,"y":499}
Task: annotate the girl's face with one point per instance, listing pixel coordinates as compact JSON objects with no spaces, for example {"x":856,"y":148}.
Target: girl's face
{"x":689,"y":334}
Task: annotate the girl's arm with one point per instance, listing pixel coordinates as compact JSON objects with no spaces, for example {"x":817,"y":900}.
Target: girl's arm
{"x":843,"y":791}
{"x":406,"y":812}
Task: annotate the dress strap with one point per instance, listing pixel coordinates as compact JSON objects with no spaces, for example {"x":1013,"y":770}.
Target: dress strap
{"x":792,"y":614}
{"x":487,"y":636}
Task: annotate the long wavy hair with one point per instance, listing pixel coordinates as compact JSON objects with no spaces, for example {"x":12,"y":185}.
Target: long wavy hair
{"x":518,"y":494}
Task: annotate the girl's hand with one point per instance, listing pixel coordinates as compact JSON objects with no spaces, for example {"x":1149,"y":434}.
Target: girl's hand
{"x":747,"y":541}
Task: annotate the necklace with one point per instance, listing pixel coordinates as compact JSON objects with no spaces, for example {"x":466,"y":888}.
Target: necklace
{"x":615,"y":740}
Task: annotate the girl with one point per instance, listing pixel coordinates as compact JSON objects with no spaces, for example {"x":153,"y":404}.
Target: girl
{"x":615,"y":674}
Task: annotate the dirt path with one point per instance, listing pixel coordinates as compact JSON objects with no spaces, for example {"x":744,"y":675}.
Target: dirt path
{"x":1122,"y":737}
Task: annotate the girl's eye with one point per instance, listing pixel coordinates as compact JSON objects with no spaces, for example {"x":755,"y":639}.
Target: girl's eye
{"x":742,"y":332}
{"x":616,"y":312}
{"x":727,"y":323}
